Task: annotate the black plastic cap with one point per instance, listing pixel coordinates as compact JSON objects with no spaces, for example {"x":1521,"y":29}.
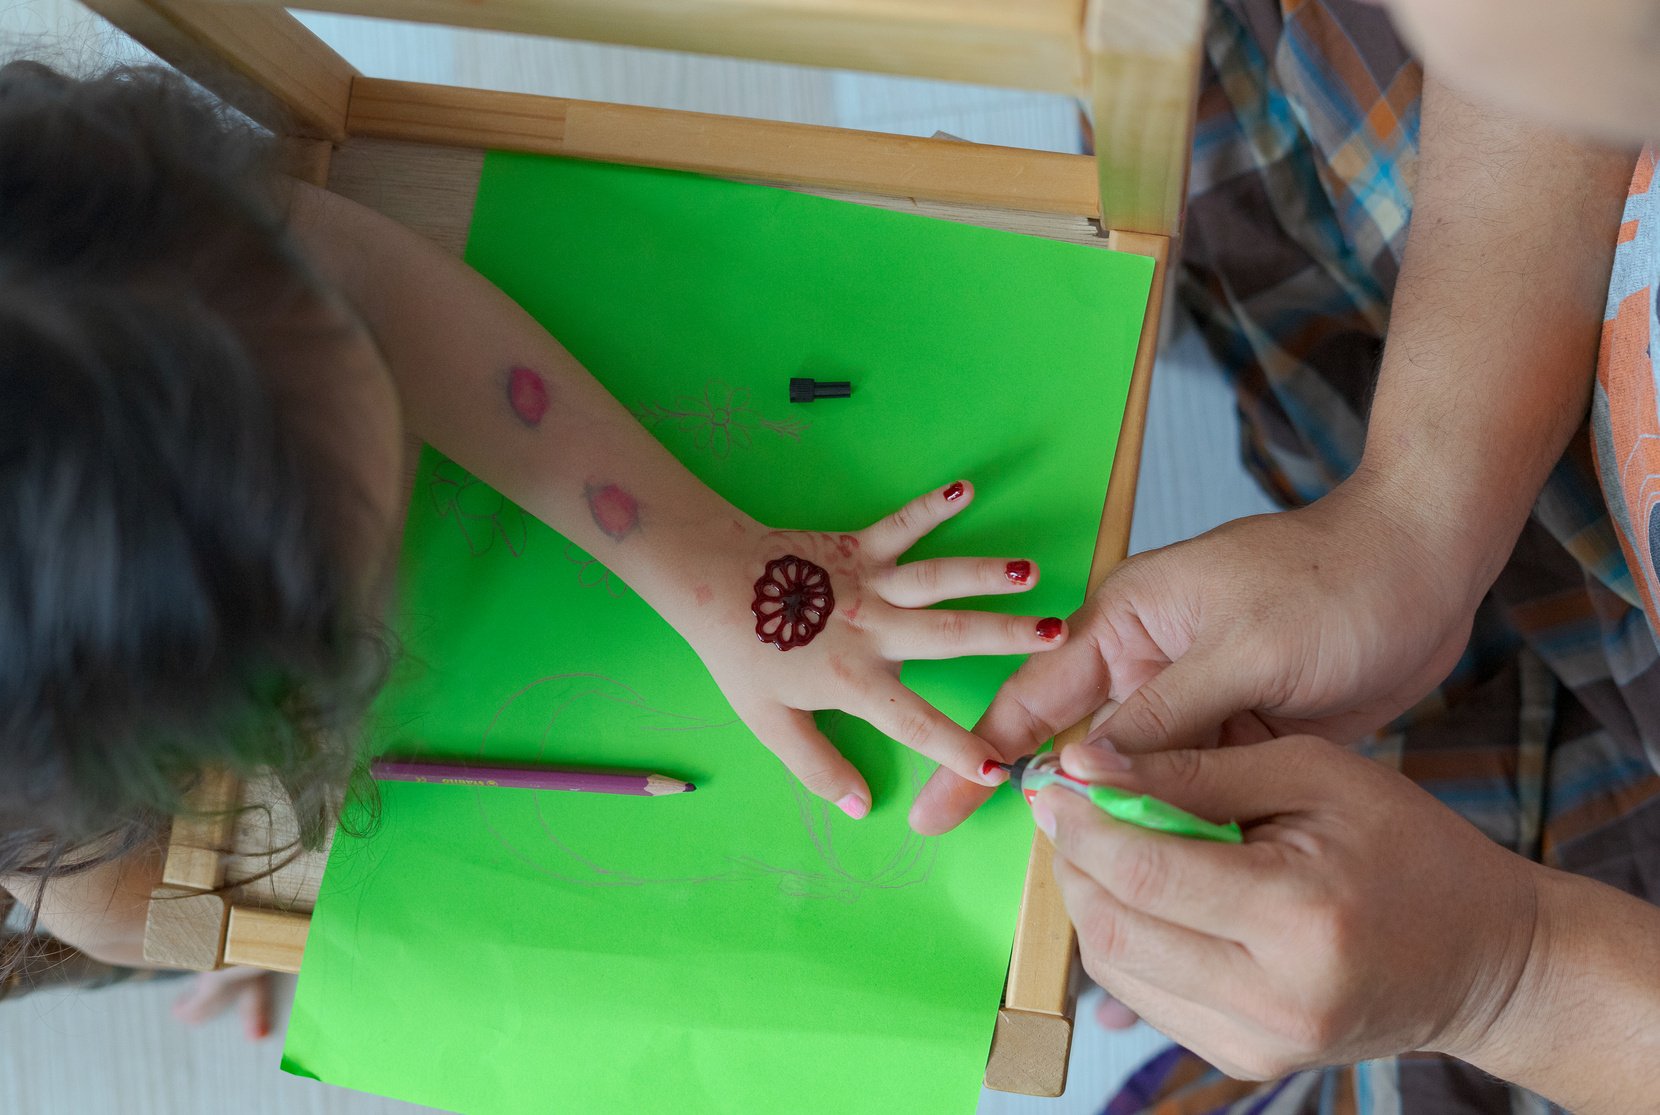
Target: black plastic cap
{"x":806,"y":390}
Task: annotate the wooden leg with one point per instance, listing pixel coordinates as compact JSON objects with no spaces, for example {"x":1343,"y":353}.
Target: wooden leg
{"x":1029,"y":1051}
{"x":185,"y":929}
{"x":201,"y":837}
{"x":1144,"y":57}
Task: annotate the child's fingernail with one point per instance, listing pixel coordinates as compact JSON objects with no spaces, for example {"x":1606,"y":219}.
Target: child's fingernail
{"x":1019,"y":572}
{"x":994,"y":774}
{"x":1098,"y":753}
{"x":854,"y":806}
{"x":1050,"y":629}
{"x":954,"y":492}
{"x":1045,"y":819}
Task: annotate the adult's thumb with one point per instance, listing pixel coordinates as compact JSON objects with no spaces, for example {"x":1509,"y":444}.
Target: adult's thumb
{"x":1184,"y":705}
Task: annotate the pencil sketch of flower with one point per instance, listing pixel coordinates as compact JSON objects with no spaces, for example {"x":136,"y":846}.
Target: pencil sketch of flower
{"x":484,"y":515}
{"x":909,"y":863}
{"x":592,"y":574}
{"x":721,"y":417}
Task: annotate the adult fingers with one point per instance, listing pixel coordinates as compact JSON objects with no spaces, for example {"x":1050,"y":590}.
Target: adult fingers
{"x":1172,"y":959}
{"x":1047,"y":694}
{"x":1200,"y":885}
{"x":1227,"y":1042}
{"x":792,"y":736}
{"x":956,"y":634}
{"x":1183,"y":705}
{"x":887,"y":538}
{"x":918,"y":584}
{"x":897,"y":711}
{"x":1247,"y":784}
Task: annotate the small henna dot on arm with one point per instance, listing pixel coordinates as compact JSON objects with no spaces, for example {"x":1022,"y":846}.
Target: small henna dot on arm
{"x":615,"y":511}
{"x":527,"y":394}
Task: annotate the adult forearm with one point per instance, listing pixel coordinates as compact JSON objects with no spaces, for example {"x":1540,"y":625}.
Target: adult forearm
{"x":1582,"y":1025}
{"x":1493,"y":337}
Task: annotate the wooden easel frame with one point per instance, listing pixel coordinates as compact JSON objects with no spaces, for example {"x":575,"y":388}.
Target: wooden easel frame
{"x":411,"y":150}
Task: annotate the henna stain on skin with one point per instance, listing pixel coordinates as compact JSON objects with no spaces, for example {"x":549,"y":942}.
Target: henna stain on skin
{"x":851,"y":614}
{"x":793,"y":602}
{"x":615,"y":512}
{"x":527,"y":394}
{"x":839,"y":667}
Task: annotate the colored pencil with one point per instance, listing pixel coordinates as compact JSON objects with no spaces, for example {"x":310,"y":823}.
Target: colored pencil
{"x":527,"y":778}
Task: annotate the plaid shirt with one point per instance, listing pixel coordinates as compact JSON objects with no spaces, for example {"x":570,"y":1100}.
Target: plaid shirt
{"x":1545,"y":734}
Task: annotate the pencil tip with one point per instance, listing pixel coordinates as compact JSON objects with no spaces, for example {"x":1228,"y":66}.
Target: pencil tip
{"x":690,"y":787}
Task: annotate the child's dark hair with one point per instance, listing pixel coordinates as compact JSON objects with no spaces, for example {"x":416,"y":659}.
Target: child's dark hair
{"x":177,"y":520}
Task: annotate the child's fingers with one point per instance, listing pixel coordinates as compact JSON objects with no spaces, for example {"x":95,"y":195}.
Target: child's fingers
{"x":902,"y":715}
{"x":212,"y":993}
{"x":256,"y":1008}
{"x":792,"y":736}
{"x":921,"y":583}
{"x":956,"y":634}
{"x":885,"y":540}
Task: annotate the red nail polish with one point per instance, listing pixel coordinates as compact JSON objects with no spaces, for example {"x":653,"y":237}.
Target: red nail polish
{"x":954,"y":492}
{"x":1018,"y":571}
{"x":1050,"y":628}
{"x":988,"y":766}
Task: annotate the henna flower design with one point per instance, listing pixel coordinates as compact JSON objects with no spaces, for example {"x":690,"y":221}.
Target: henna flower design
{"x":793,"y":602}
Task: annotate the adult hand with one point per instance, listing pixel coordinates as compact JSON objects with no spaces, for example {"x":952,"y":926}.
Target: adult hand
{"x":1360,"y":918}
{"x":1331,"y":620}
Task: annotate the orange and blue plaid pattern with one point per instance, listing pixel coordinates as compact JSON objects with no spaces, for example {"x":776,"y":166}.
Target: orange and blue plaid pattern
{"x":1544,"y":735}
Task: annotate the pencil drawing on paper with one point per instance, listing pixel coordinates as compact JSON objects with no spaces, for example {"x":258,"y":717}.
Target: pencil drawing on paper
{"x":484,"y":515}
{"x":722,"y":418}
{"x":809,"y":866}
{"x":911,"y":862}
{"x":591,"y":573}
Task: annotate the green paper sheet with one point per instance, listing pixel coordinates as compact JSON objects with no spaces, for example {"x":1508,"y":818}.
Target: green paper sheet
{"x":744,"y":948}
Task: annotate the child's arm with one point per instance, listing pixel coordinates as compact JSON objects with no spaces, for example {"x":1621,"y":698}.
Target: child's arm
{"x":99,"y":911}
{"x":488,"y":386}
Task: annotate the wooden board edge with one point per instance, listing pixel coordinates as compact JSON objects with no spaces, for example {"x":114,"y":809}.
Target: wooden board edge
{"x":1040,"y":962}
{"x":727,"y":146}
{"x":269,"y":939}
{"x":1034,"y":44}
{"x":201,"y":835}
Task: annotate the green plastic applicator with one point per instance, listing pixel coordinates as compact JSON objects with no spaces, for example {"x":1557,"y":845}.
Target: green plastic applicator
{"x":1034,"y":772}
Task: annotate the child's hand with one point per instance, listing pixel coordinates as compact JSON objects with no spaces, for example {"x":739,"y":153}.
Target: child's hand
{"x":801,"y":620}
{"x":247,"y":990}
